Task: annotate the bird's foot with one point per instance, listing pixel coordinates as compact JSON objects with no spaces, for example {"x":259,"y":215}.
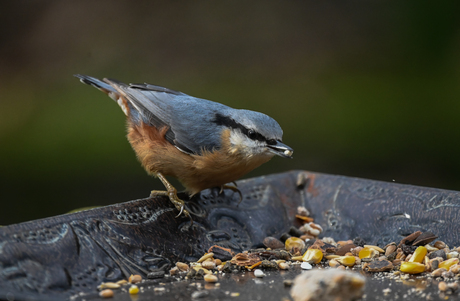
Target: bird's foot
{"x":232,"y":188}
{"x":171,"y":192}
{"x":177,"y":202}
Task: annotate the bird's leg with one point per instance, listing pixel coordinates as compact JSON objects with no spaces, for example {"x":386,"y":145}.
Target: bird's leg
{"x":232,"y":188}
{"x":171,"y":192}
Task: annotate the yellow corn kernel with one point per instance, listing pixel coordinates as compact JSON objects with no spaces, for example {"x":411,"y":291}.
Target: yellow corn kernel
{"x":366,"y":253}
{"x":446,"y":264}
{"x":412,"y":267}
{"x":294,"y":242}
{"x":348,"y":261}
{"x":419,"y":255}
{"x":312,"y":256}
{"x":296,"y":258}
{"x":133,"y":290}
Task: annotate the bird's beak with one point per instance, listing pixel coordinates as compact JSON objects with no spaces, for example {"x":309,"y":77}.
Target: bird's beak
{"x":281,"y":150}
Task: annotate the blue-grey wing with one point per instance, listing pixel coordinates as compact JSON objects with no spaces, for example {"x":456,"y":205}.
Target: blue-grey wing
{"x":189,"y":119}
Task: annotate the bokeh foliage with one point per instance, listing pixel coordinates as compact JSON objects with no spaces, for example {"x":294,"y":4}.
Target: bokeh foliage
{"x":361,"y":88}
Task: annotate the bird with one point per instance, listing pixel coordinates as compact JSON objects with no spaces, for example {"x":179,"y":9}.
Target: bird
{"x":202,"y":143}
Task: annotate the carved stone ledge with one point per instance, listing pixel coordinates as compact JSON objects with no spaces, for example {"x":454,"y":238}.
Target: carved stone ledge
{"x":58,"y":257}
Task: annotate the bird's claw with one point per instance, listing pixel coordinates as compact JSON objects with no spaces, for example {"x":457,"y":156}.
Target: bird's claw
{"x":180,"y":211}
{"x":178,"y":203}
{"x":232,"y":188}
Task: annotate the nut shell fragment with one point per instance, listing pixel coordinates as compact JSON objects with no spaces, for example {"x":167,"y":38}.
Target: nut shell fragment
{"x":244,"y":259}
{"x":409,"y":239}
{"x":379,"y":266}
{"x":345,"y":249}
{"x":424,"y":239}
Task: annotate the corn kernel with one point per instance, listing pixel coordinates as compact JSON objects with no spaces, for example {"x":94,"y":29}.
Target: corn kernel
{"x":133,"y":290}
{"x":412,"y":267}
{"x":348,"y":261}
{"x":366,"y":253}
{"x":419,"y":255}
{"x":312,"y":256}
{"x":446,"y":264}
{"x":294,"y":243}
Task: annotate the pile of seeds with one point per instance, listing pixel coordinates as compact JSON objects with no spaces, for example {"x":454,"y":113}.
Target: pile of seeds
{"x":418,"y":253}
{"x":106,"y":288}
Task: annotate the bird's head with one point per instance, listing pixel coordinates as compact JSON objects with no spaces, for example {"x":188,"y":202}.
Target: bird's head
{"x":254,"y":134}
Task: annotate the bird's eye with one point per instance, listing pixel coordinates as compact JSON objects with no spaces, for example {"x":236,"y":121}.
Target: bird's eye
{"x":271,"y":141}
{"x":252,"y":134}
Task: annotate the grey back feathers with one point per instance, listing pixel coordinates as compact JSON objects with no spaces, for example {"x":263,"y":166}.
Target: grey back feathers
{"x":194,"y":124}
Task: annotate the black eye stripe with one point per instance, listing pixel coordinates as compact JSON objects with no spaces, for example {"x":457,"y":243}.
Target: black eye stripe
{"x":227,"y":121}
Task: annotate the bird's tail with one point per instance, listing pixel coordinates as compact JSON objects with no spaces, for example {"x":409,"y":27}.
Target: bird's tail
{"x":107,"y":89}
{"x":97,"y":83}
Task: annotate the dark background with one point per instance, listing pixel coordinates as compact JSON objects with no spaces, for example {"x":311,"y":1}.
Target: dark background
{"x":361,"y":88}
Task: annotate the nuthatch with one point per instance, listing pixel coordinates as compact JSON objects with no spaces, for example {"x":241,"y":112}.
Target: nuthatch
{"x":204,"y":144}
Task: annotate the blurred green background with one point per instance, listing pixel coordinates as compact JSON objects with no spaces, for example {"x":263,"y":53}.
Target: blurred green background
{"x":361,"y":88}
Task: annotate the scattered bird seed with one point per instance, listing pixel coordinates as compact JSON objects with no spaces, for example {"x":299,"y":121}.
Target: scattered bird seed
{"x":182,"y":266}
{"x":209,"y":264}
{"x":210,"y":278}
{"x":306,"y":266}
{"x":259,"y":273}
{"x":442,"y":286}
{"x":133,"y":290}
{"x":107,"y":293}
{"x":135,"y":279}
{"x":110,"y":285}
